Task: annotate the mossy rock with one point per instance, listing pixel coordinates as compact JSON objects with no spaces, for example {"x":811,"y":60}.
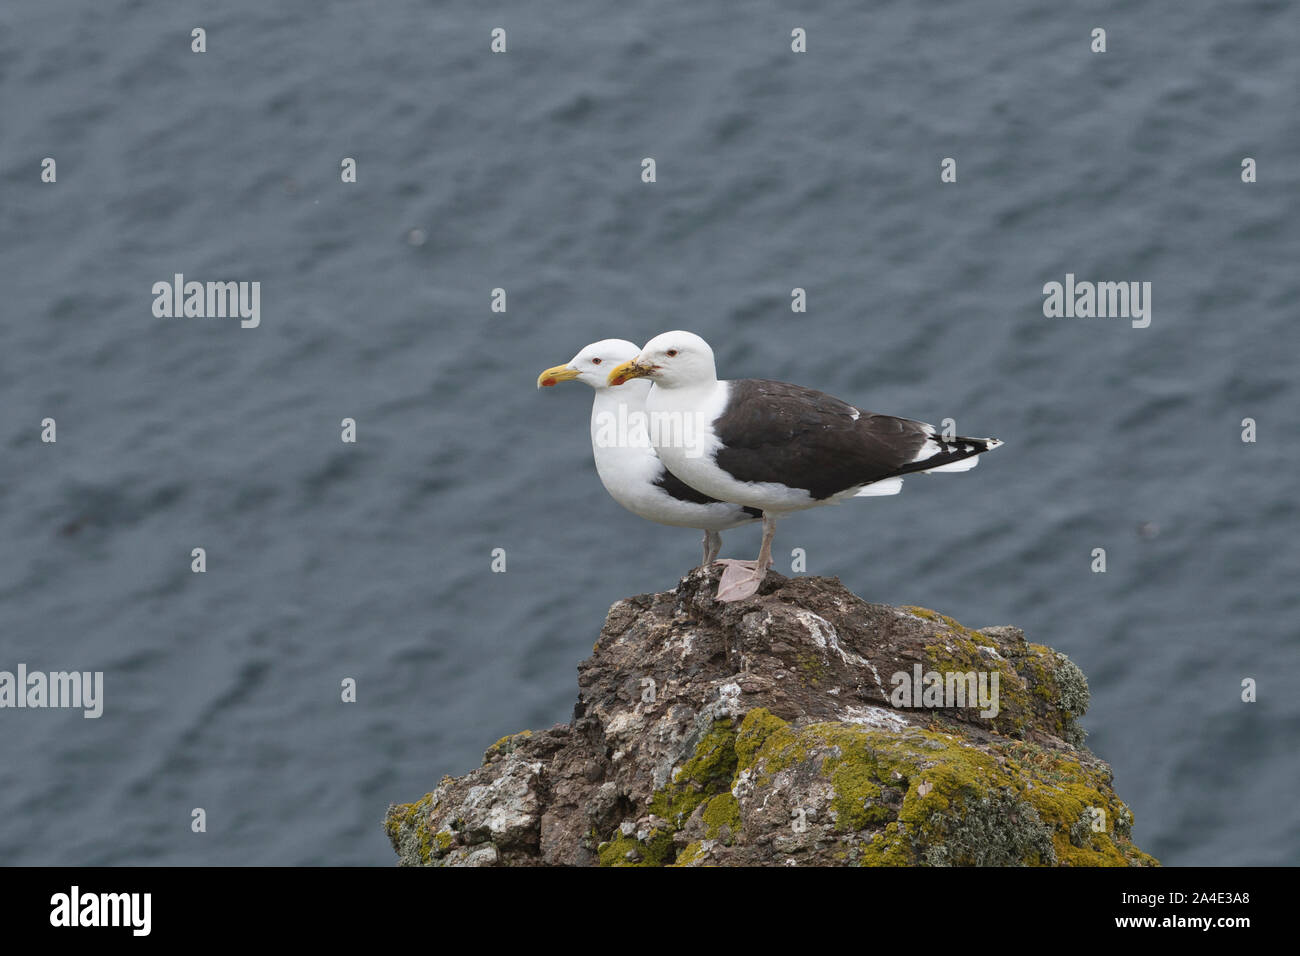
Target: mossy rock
{"x":917,"y":797}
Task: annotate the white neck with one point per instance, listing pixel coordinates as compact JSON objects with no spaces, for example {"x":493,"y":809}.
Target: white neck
{"x":682,"y":396}
{"x":619,"y":443}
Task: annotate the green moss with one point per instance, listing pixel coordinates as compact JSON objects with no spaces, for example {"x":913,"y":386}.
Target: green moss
{"x":924,"y":613}
{"x":912,"y":798}
{"x":506,"y":745}
{"x":689,"y":854}
{"x":709,"y":771}
{"x":961,"y":654}
{"x":616,"y":851}
{"x":662,"y":849}
{"x":407,"y":826}
{"x":657,"y":849}
{"x":706,"y":777}
{"x":973,"y":636}
{"x":811,"y":669}
{"x":960,"y":805}
{"x":856,"y":777}
{"x":889,"y":847}
{"x":759,"y":724}
{"x":1028,"y":679}
{"x":1036,"y":685}
{"x":722,"y":811}
{"x":1064,"y":792}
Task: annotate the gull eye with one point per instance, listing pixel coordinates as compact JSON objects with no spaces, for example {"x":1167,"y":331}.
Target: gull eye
{"x":595,"y":361}
{"x":672,"y":353}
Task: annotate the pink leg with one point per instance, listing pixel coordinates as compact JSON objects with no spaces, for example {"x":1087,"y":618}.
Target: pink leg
{"x":741,"y":579}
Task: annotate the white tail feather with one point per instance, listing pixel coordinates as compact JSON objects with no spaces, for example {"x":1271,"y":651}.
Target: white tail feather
{"x":966,"y":464}
{"x":890,"y":486}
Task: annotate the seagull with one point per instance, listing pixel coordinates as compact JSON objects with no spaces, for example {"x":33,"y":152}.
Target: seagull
{"x":773,"y":446}
{"x":625,"y":459}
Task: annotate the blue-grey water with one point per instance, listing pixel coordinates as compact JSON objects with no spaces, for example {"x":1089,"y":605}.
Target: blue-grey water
{"x":522,"y":171}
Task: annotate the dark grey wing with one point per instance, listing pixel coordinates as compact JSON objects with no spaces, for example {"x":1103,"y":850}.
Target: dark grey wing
{"x":678,"y":489}
{"x":803,"y":438}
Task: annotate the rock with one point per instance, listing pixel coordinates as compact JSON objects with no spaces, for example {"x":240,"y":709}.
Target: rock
{"x":769,"y":732}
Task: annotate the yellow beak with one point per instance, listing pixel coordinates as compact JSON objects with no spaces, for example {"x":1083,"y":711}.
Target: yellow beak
{"x":554,"y":376}
{"x":628,"y":371}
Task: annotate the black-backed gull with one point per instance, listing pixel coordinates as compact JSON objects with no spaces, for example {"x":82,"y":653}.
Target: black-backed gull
{"x":625,"y":459}
{"x":773,"y":446}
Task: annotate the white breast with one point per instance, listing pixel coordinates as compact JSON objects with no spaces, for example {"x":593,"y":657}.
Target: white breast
{"x":681,"y":431}
{"x":628,"y":465}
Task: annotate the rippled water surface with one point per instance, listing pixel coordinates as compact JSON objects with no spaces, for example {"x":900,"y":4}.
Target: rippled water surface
{"x":522,"y":171}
